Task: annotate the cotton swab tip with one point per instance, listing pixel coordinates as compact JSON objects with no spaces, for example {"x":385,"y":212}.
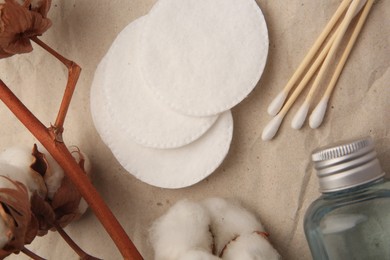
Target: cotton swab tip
{"x":317,"y":116}
{"x":300,"y":116}
{"x":272,"y":128}
{"x":277,"y":103}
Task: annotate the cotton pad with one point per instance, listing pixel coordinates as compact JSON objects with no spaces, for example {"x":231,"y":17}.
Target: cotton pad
{"x":203,"y":57}
{"x":166,"y":168}
{"x":139,"y":115}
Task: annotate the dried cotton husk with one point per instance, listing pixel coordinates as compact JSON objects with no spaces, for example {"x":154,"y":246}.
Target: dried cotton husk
{"x":19,"y":21}
{"x":22,"y":226}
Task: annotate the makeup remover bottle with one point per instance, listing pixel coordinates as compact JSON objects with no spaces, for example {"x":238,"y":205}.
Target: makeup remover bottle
{"x":351,"y":219}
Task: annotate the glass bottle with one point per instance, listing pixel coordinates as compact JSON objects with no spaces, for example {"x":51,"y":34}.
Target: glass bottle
{"x":351,"y":219}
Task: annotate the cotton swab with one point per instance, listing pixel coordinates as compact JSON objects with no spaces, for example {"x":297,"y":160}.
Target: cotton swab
{"x":272,"y":127}
{"x":318,"y":113}
{"x":300,"y":116}
{"x":277,"y":103}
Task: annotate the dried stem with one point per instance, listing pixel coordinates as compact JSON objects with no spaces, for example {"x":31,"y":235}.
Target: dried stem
{"x":61,"y":154}
{"x":30,"y":254}
{"x":73,"y":75}
{"x":83,"y":255}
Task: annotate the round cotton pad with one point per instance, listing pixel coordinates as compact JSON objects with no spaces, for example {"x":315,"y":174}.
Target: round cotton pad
{"x":203,"y":57}
{"x":140,"y":116}
{"x":166,"y":168}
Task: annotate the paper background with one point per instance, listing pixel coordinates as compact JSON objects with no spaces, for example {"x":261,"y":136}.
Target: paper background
{"x":274,"y":179}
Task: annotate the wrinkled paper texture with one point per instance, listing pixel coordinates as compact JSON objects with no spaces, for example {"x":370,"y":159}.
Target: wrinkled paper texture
{"x":274,"y":179}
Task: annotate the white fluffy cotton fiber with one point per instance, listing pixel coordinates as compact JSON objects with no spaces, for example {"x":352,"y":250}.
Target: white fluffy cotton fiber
{"x":212,"y":229}
{"x":250,"y":246}
{"x":183,"y":228}
{"x":229,"y":220}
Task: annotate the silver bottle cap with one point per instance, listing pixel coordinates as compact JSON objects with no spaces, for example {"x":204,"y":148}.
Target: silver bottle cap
{"x":346,"y":165}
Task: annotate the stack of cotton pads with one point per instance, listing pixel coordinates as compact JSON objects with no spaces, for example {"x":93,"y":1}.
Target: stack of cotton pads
{"x":161,"y":96}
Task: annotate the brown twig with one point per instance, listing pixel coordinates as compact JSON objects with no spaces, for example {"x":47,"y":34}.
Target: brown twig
{"x":61,"y":154}
{"x":30,"y":254}
{"x":80,"y":252}
{"x":73,"y":76}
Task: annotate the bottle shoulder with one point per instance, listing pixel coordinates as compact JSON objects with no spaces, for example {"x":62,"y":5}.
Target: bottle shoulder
{"x":328,"y":202}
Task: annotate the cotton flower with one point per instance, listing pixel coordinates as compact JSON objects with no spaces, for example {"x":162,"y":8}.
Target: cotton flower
{"x":21,"y":157}
{"x":229,"y":220}
{"x":19,"y":21}
{"x":185,"y":227}
{"x":250,"y":246}
{"x":53,"y":197}
{"x":52,"y":172}
{"x":210,"y":230}
{"x":238,"y":234}
{"x":63,"y":196}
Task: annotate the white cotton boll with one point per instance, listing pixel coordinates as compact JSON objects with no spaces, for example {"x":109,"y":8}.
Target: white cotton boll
{"x":18,"y":156}
{"x":184,"y":227}
{"x":34,"y":3}
{"x":83,"y":206}
{"x":250,"y":246}
{"x":21,"y":158}
{"x":228,"y":220}
{"x":54,"y":173}
{"x":198,"y":255}
{"x":5,"y":183}
{"x":15,"y":174}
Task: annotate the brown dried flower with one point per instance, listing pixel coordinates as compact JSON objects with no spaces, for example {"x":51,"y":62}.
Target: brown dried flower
{"x":16,"y":212}
{"x":44,"y":214}
{"x":65,"y":203}
{"x":26,"y":213}
{"x":19,"y":21}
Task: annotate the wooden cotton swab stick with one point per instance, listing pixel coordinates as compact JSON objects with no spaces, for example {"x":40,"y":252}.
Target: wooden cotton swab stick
{"x":273,"y":126}
{"x":277,"y":103}
{"x":319,"y":112}
{"x":300,"y":116}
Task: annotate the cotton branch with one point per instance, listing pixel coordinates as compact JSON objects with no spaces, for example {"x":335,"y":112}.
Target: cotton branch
{"x":61,"y":154}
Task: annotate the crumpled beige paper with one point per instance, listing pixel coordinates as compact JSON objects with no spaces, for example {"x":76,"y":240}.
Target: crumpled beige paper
{"x":274,"y":179}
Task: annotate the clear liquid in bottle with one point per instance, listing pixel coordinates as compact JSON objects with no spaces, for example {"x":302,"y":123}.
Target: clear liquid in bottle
{"x":351,"y":220}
